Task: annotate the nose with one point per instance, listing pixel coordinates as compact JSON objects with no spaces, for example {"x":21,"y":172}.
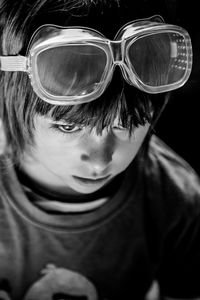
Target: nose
{"x":99,"y":154}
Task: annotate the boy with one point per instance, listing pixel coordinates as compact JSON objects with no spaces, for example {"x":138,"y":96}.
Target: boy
{"x":93,"y":206}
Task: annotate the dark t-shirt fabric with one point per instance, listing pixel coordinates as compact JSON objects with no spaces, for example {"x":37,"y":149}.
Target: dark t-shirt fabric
{"x":149,"y":228}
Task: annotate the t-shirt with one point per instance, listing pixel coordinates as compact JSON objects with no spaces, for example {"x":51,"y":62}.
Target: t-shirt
{"x":148,"y":228}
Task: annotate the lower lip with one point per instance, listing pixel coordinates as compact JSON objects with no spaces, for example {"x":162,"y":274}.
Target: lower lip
{"x":90,"y":181}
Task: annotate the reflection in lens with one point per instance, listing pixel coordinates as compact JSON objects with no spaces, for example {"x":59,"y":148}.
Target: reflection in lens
{"x":71,"y":70}
{"x":159,"y":59}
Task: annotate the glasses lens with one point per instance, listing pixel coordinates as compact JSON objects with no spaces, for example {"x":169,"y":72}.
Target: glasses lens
{"x":159,"y":59}
{"x":71,"y":70}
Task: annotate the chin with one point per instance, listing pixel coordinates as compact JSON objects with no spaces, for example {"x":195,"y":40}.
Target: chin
{"x":87,"y":188}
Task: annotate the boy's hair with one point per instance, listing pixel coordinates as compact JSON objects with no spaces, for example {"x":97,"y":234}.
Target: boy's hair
{"x":19,"y":104}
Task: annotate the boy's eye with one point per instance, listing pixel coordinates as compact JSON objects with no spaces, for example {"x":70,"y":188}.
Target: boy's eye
{"x":68,"y":128}
{"x":119,"y":127}
{"x":121,"y":132}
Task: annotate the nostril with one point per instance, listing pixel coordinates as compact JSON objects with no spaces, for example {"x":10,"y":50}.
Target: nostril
{"x":98,"y":157}
{"x":84,"y":157}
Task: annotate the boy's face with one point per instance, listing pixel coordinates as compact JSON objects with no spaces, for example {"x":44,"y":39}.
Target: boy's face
{"x":75,"y":160}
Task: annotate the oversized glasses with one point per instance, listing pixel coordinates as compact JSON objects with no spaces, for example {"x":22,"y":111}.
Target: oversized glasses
{"x":73,"y":65}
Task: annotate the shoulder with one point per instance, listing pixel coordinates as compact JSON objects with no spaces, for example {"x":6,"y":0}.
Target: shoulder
{"x":170,"y":166}
{"x":168,"y":173}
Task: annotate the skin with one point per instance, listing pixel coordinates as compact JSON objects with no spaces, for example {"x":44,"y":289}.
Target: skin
{"x":58,"y":155}
{"x":62,"y":151}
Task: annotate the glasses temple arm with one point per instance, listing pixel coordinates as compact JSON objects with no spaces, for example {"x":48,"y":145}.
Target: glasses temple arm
{"x":13,"y":63}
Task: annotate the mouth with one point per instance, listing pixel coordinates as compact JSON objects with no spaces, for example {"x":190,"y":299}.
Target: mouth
{"x":92,"y":181}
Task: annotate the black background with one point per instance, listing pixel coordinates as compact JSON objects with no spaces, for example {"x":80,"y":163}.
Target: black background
{"x":179,"y":125}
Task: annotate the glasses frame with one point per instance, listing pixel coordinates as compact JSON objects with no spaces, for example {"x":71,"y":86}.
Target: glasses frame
{"x":50,"y":36}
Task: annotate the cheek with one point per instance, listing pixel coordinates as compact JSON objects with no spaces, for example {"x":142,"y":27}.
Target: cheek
{"x":124,"y":154}
{"x":126,"y":151}
{"x":54,"y":149}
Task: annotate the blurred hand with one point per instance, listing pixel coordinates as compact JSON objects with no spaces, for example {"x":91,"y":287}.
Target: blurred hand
{"x":154,"y":292}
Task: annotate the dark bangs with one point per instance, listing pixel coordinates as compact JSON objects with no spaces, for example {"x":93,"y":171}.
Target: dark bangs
{"x":130,"y":106}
